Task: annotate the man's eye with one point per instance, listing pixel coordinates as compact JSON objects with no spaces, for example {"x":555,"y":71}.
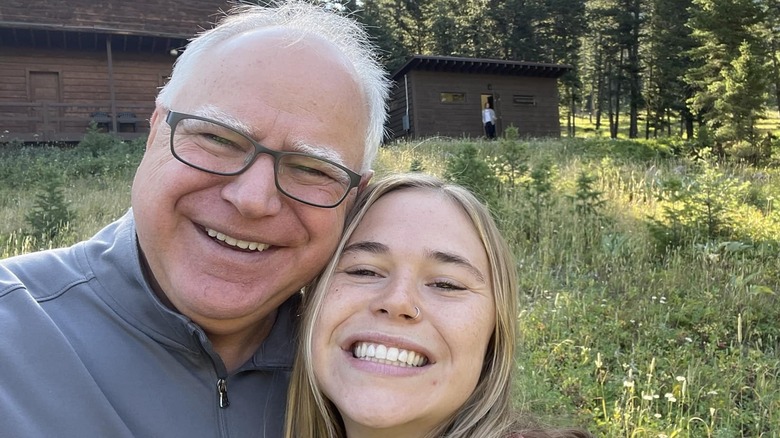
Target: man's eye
{"x":310,"y":171}
{"x":217,"y":139}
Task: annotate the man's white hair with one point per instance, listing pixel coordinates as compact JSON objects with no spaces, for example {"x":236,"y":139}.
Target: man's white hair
{"x":304,"y":19}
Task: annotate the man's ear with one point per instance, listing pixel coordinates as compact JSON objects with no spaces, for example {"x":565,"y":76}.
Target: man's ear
{"x":158,"y":116}
{"x":365,"y":178}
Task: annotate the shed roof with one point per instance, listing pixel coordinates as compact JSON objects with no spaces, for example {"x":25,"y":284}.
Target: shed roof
{"x":134,"y":17}
{"x":482,"y":66}
{"x":133,"y":24}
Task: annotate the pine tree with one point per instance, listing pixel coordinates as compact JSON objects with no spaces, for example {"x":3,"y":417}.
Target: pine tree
{"x":722,"y":27}
{"x":670,"y":41}
{"x":741,"y":101}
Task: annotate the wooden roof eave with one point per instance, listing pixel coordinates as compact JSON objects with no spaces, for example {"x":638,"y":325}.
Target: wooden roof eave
{"x":91,"y":29}
{"x":91,"y":38}
{"x":481,"y":66}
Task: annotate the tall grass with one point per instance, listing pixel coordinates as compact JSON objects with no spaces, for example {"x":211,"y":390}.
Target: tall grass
{"x":94,"y":178}
{"x":624,"y":337}
{"x":648,"y":280}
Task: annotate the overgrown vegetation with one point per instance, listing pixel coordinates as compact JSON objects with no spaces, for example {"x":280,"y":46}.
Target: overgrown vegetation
{"x":649,"y":278}
{"x":649,"y":272}
{"x":52,"y":195}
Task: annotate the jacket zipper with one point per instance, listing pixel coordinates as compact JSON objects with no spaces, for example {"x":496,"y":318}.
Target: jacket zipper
{"x":222,"y":393}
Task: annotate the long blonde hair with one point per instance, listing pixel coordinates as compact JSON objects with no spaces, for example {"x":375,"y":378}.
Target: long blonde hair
{"x":487,"y":412}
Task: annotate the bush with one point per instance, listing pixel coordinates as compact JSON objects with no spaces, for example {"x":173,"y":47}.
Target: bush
{"x":51,"y":213}
{"x":469,"y":170}
{"x":698,"y":208}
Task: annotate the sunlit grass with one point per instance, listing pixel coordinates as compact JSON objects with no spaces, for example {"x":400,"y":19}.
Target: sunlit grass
{"x":616,"y":336}
{"x":585,"y":126}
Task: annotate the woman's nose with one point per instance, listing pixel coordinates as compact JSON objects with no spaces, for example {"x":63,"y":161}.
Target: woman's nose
{"x":398,"y":301}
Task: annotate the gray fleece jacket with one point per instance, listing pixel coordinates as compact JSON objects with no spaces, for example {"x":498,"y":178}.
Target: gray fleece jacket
{"x":87,"y":350}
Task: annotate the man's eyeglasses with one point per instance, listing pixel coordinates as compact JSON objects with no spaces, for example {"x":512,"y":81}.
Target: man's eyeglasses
{"x":214,"y":147}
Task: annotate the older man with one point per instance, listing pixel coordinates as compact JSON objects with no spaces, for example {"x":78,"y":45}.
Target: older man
{"x":177,"y":319}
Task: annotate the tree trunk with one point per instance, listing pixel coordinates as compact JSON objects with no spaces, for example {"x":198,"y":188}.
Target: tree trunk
{"x":618,"y":89}
{"x":776,"y":73}
{"x":633,"y":75}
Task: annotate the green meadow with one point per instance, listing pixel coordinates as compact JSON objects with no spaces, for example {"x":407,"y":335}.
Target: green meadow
{"x":585,"y":125}
{"x":649,"y":274}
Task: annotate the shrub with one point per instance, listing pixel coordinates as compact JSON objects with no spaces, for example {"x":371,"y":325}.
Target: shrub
{"x":95,"y":143}
{"x":51,"y":213}
{"x":698,"y":209}
{"x":470,"y":171}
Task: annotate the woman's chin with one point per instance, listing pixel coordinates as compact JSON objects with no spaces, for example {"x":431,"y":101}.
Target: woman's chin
{"x":388,"y":423}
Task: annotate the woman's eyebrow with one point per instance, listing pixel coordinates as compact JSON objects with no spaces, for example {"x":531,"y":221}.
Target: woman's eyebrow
{"x":448,"y":257}
{"x":366,"y":246}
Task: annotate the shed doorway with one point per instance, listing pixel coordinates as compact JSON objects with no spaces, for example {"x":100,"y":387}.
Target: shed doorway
{"x":490,"y":99}
{"x":44,"y":89}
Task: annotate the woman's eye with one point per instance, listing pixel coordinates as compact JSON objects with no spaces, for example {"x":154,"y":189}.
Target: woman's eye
{"x":361,"y":272}
{"x":447,"y":285}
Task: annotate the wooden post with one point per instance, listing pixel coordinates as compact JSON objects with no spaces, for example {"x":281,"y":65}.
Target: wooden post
{"x":111,"y":83}
{"x":45,"y":130}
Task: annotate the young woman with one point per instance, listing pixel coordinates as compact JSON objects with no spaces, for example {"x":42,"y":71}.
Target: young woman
{"x":410,"y":330}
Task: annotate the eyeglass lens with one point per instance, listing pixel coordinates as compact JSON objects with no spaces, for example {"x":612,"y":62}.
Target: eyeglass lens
{"x":214,"y":148}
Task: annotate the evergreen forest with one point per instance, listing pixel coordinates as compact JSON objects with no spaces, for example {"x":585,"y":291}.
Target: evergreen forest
{"x":647,"y":252}
{"x":649,"y":68}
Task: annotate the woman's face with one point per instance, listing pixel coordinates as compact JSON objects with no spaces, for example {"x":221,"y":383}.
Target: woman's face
{"x":381,"y":366}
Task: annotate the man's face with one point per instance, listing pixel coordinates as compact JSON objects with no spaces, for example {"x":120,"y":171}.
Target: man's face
{"x":191,"y":224}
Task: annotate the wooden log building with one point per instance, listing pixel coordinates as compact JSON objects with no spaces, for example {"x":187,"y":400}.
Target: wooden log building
{"x":444,"y":96}
{"x":64,"y":63}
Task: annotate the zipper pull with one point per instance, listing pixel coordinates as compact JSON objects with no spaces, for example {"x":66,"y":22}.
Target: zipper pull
{"x":222,"y":393}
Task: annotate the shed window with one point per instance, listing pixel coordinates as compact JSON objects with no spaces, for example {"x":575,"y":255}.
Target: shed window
{"x":448,"y":97}
{"x":524,"y":99}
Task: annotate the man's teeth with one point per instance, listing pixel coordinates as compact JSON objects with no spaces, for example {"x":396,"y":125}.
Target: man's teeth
{"x":243,"y":244}
{"x":388,"y":355}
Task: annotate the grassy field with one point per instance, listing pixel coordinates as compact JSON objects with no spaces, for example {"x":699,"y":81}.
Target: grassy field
{"x":649,"y":281}
{"x":585,"y":125}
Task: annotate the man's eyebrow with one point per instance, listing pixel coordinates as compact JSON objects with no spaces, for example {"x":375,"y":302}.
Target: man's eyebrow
{"x":448,"y":257}
{"x":325,"y":152}
{"x":215,"y":113}
{"x":366,"y":246}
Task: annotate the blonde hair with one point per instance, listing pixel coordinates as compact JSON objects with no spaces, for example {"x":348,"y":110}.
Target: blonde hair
{"x":486,"y":413}
{"x":304,"y":19}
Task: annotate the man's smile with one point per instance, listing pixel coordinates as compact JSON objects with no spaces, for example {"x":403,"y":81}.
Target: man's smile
{"x":238,"y":243}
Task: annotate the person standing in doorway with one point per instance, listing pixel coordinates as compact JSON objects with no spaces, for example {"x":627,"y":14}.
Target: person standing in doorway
{"x":489,"y":119}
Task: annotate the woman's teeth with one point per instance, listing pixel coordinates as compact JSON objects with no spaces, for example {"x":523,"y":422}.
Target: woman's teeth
{"x":388,"y":355}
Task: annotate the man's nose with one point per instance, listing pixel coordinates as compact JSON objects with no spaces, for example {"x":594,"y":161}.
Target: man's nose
{"x":254,"y":192}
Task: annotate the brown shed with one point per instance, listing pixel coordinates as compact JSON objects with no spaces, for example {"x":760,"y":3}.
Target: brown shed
{"x":444,"y":96}
{"x":64,"y":63}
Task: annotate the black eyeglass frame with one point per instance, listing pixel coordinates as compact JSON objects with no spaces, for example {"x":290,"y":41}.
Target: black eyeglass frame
{"x":175,"y":117}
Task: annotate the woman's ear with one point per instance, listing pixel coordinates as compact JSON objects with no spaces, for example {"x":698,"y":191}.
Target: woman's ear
{"x":365,"y":178}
